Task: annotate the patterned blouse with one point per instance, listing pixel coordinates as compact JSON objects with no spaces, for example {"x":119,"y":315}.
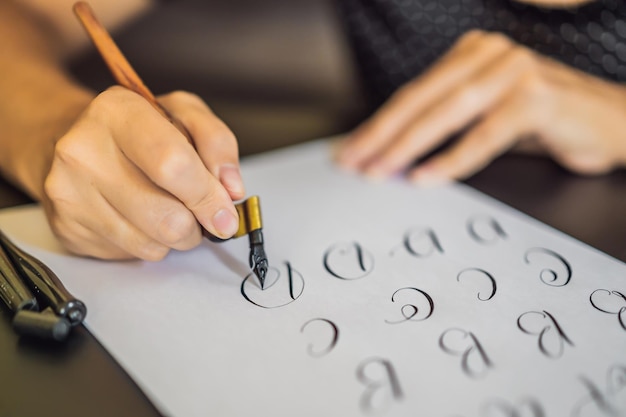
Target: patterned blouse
{"x":395,"y":40}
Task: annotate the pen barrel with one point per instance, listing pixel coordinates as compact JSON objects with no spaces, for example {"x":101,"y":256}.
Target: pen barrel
{"x":13,"y":291}
{"x":119,"y":66}
{"x":44,"y":282}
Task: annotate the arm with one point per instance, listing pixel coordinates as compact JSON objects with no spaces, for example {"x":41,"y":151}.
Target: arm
{"x":70,"y":37}
{"x":116,"y":179}
{"x":39,"y":101}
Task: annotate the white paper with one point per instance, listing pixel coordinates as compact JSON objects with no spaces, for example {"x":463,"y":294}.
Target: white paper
{"x":357,"y":334}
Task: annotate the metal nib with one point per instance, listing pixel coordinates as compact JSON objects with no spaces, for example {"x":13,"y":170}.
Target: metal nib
{"x":258,"y":259}
{"x":260,"y":270}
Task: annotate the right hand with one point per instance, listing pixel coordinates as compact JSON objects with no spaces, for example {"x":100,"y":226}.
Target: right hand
{"x":125,"y":183}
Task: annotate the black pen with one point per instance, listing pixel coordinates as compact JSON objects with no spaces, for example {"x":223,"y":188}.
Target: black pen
{"x":42,"y":306}
{"x":13,"y":291}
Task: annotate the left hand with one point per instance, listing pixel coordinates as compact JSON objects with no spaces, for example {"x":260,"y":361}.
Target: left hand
{"x":500,"y":95}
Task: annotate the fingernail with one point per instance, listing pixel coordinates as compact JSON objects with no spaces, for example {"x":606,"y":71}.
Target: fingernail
{"x":345,"y":157}
{"x":230,"y":177}
{"x":428,"y":177}
{"x":348,"y":166}
{"x":376,"y":173}
{"x":225,"y":223}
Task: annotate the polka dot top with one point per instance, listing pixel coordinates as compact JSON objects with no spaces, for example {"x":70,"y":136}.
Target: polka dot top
{"x":395,"y":40}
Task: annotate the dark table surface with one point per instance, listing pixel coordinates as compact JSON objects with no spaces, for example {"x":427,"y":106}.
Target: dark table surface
{"x":79,"y":378}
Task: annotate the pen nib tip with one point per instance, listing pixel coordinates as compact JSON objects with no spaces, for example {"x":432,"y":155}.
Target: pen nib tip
{"x":260,"y":270}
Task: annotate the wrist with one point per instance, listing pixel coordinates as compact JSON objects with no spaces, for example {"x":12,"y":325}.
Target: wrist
{"x":31,"y":137}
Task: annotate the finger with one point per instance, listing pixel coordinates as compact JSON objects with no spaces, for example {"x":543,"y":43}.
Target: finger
{"x":490,"y":138}
{"x":120,"y":233}
{"x":462,"y":107}
{"x":81,"y":241}
{"x":150,"y":209}
{"x":214,"y":141}
{"x":86,"y":242}
{"x":90,"y":226}
{"x":467,"y":57}
{"x":529,"y":145}
{"x":166,"y":157}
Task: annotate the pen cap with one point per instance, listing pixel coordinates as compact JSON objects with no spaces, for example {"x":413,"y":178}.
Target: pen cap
{"x":46,"y":284}
{"x":45,"y":325}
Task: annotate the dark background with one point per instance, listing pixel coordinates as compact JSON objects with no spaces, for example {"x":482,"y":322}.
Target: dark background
{"x":278,"y":72}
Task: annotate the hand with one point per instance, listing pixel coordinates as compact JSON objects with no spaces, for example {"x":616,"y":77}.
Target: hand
{"x":497,"y":95}
{"x":126,"y":183}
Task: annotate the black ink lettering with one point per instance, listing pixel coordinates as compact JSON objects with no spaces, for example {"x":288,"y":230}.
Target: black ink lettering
{"x":597,"y":397}
{"x":615,"y":305}
{"x":485,"y":229}
{"x":502,"y":408}
{"x":421,"y":242}
{"x":604,"y":402}
{"x":280,"y":289}
{"x":484,"y":273}
{"x":550,"y":276}
{"x":334,"y":336}
{"x":410,"y":311}
{"x":616,"y":379}
{"x":528,"y":326}
{"x":348,"y":261}
{"x":380,"y":390}
{"x":474,"y":360}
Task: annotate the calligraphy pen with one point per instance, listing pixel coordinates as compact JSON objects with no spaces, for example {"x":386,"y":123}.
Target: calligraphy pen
{"x":42,"y":306}
{"x":249,"y":211}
